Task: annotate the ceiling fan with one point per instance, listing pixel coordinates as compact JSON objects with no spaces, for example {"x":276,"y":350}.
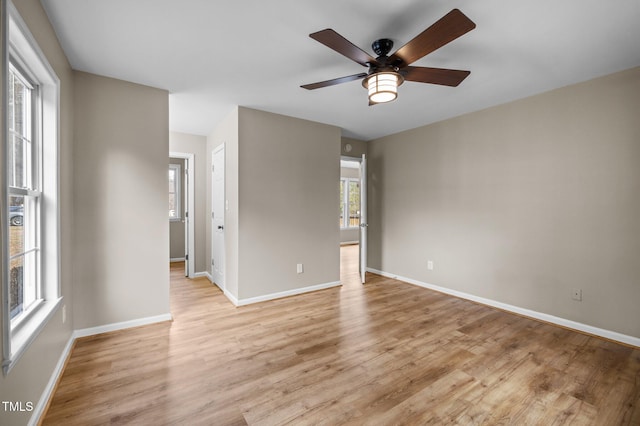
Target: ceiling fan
{"x":386,"y":73}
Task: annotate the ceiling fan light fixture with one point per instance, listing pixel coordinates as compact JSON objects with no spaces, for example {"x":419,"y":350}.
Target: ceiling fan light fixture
{"x":383,"y":86}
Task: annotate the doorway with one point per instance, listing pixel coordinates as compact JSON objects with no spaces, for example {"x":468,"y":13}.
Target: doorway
{"x":181,"y":208}
{"x":353,"y":220}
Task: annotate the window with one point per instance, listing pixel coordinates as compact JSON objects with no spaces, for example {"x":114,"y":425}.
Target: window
{"x":31,"y":287}
{"x":174,"y":192}
{"x":350,"y":203}
{"x":24,"y":196}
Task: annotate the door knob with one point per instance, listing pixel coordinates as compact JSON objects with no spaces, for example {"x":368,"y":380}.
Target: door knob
{"x":220,"y":227}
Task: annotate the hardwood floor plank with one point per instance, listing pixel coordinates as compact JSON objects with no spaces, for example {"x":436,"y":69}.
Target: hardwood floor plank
{"x":381,"y":353}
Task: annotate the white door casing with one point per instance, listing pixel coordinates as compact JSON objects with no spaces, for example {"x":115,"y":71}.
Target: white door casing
{"x":363,"y":218}
{"x":187,"y":219}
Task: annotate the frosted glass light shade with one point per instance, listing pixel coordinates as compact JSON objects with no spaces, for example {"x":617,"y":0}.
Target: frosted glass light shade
{"x":383,"y":87}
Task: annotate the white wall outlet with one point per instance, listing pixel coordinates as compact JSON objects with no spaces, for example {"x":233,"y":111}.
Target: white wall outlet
{"x":430,"y":265}
{"x":576,"y":294}
{"x":64,"y":314}
{"x":300,"y":268}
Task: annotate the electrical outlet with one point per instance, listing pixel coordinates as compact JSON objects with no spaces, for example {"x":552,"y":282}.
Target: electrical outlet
{"x":430,"y":265}
{"x":300,"y":268}
{"x":64,"y":314}
{"x":576,"y":294}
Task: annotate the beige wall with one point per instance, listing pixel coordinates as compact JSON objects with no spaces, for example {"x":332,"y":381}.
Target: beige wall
{"x":27,"y":380}
{"x":122,"y":231}
{"x":358,"y":147}
{"x":196,"y":145}
{"x":281,"y":186}
{"x":288,"y":193}
{"x":521,"y":203}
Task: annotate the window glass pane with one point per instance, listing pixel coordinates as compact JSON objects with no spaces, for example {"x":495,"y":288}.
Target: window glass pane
{"x":23,"y":254}
{"x":16,"y":286}
{"x":16,"y":228}
{"x":172,"y":206}
{"x":341,"y":203}
{"x":18,"y":90}
{"x":19,"y":162}
{"x":354,"y":203}
{"x":172,"y":181}
{"x":20,"y":150}
{"x":175,"y":210}
{"x":22,"y":283}
{"x":22,"y":224}
{"x":20,"y":94}
{"x":10,"y":107}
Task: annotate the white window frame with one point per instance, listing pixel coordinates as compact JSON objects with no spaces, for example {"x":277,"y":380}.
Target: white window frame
{"x":178,"y":191}
{"x":345,"y":202}
{"x":20,"y":47}
{"x":31,"y":194}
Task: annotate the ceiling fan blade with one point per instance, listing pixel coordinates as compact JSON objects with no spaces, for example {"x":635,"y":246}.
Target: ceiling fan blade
{"x":343,"y":46}
{"x":445,"y":77}
{"x":334,"y":81}
{"x":451,"y":26}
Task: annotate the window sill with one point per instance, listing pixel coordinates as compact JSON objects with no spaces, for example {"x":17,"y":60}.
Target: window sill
{"x":22,"y":338}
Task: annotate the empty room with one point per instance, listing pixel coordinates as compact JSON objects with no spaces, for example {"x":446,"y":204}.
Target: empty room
{"x":358,"y":212}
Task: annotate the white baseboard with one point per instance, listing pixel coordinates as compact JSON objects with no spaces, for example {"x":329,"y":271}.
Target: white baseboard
{"x":287,"y":293}
{"x":585,"y":328}
{"x":232,"y":298}
{"x":200,"y":274}
{"x":176,"y":259}
{"x":121,"y":325}
{"x":38,"y":410}
{"x":208,"y":275}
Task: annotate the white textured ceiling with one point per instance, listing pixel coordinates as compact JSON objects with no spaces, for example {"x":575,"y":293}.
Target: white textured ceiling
{"x":211,"y":55}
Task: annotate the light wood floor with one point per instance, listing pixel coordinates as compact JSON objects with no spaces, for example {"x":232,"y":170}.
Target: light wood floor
{"x":386,"y":353}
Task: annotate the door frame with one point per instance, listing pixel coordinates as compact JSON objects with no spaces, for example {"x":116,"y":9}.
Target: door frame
{"x":362,"y":230}
{"x":189,"y":223}
{"x":364,"y":219}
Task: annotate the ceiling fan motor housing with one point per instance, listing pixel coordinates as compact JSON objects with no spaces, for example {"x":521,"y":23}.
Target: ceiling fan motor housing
{"x":382,"y":46}
{"x":381,"y":66}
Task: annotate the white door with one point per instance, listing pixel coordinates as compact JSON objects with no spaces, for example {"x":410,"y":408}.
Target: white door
{"x":363,"y":218}
{"x":217,"y":217}
{"x":187,"y":220}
